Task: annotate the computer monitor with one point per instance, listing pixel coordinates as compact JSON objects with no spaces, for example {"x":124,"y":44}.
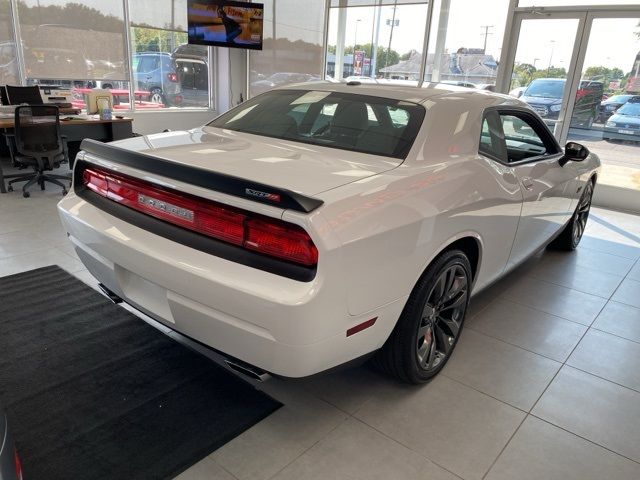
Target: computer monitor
{"x":20,"y":95}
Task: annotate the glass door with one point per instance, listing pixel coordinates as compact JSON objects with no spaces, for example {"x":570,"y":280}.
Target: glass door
{"x":606,"y":106}
{"x":543,"y":59}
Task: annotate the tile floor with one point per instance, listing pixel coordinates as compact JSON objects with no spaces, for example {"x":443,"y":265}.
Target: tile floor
{"x":544,"y":384}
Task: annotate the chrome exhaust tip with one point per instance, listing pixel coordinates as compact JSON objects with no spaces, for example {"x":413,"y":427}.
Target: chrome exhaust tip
{"x":109,"y":294}
{"x":248,"y":370}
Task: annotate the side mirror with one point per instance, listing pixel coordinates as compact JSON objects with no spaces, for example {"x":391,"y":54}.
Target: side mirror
{"x":574,"y":152}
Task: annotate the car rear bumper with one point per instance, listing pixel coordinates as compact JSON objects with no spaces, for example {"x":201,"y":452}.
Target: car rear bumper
{"x":283,"y":326}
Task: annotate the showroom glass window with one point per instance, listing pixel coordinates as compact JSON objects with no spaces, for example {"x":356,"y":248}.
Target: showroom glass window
{"x":379,"y":41}
{"x":466,"y":42}
{"x":167,"y":72}
{"x":9,"y":74}
{"x":75,"y":46}
{"x":292,"y":45}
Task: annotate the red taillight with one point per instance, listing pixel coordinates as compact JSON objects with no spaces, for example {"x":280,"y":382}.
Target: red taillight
{"x":281,"y":240}
{"x":18,"y":464}
{"x":173,"y":77}
{"x":260,"y":234}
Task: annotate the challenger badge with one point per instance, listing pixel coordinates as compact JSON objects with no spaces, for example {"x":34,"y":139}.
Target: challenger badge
{"x":165,"y":207}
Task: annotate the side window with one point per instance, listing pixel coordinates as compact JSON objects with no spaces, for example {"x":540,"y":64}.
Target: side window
{"x":492,"y":138}
{"x":522,"y":138}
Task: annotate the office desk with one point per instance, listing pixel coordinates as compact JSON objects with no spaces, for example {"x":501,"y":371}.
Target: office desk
{"x":78,"y":130}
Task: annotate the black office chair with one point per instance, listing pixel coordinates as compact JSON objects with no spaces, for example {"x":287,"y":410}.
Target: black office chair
{"x":19,"y":94}
{"x":40,"y":146}
{"x":4,"y":98}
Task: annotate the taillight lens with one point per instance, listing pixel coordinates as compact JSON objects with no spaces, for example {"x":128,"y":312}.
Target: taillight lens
{"x":173,"y":77}
{"x":283,"y":241}
{"x":260,"y":234}
{"x":18,"y":464}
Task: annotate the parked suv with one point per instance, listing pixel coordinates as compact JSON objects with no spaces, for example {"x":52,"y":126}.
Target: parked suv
{"x":544,"y":95}
{"x":155,"y":72}
{"x":191,"y":63}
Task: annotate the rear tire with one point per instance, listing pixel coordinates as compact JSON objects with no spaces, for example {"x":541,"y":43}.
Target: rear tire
{"x":572,"y":233}
{"x":430,"y":324}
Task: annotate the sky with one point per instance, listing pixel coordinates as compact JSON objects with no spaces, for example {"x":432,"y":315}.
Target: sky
{"x":612,"y":42}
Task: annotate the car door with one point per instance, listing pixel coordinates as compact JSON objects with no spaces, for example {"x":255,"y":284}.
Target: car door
{"x":548,"y":188}
{"x":144,"y":73}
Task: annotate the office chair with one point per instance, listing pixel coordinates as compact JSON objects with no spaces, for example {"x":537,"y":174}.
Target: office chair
{"x":40,"y":146}
{"x":4,"y":98}
{"x":29,"y":95}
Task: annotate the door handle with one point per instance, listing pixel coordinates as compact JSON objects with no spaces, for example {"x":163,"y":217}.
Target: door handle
{"x":527,"y":183}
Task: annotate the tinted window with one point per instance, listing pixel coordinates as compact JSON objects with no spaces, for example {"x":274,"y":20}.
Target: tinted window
{"x":362,"y":123}
{"x":522,"y":140}
{"x":545,"y":88}
{"x":489,"y":144}
{"x":148,"y":63}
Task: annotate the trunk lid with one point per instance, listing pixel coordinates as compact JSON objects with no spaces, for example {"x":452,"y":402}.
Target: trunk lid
{"x":299,"y":167}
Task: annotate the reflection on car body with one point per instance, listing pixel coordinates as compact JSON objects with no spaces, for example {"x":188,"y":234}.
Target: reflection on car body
{"x":275,"y":243}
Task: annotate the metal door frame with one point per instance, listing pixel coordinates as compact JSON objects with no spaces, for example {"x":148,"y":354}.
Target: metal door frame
{"x":585,"y":16}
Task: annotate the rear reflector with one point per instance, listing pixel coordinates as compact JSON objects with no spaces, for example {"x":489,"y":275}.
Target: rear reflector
{"x":264,"y":235}
{"x":361,"y":326}
{"x":18,"y":465}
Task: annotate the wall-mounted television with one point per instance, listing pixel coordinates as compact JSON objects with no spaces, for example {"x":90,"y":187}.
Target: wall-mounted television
{"x":225,"y":23}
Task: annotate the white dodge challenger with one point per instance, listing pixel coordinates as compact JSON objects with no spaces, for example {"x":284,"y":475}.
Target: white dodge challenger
{"x":316,"y":224}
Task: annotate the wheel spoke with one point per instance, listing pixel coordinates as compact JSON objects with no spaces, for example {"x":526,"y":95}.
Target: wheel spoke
{"x":455,"y":302}
{"x":449,"y":325}
{"x":442,"y":340}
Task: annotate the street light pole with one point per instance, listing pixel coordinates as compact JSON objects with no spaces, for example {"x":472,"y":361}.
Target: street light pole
{"x":550,"y":57}
{"x":486,"y":35}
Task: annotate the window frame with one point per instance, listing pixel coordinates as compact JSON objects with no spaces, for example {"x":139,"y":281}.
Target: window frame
{"x":210,"y":62}
{"x":535,"y":122}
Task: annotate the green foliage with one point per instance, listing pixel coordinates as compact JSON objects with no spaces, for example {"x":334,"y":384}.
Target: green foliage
{"x":154,"y":40}
{"x":603,"y":74}
{"x":384,"y":56}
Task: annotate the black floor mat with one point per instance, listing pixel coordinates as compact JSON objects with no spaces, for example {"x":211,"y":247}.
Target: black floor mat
{"x":93,"y":392}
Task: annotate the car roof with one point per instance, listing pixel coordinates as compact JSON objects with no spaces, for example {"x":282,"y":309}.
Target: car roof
{"x":429,"y":91}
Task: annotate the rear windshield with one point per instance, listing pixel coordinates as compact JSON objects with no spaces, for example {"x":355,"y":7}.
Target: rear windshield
{"x":362,"y":123}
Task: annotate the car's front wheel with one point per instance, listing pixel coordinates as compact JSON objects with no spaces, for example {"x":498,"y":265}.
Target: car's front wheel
{"x":570,"y":237}
{"x":431,"y":321}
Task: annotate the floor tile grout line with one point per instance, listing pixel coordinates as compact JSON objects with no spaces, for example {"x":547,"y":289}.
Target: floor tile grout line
{"x":209,"y":459}
{"x":603,"y":378}
{"x":460,"y":382}
{"x":471,"y":327}
{"x":568,"y":357}
{"x":342,"y":422}
{"x":622,"y":278}
{"x":508,"y":300}
{"x":543,"y":311}
{"x":615,"y":334}
{"x":408,"y":447}
{"x":495,"y":460}
{"x":533,"y":415}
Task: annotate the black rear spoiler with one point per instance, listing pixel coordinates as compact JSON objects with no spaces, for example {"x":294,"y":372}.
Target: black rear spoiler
{"x":239,"y":187}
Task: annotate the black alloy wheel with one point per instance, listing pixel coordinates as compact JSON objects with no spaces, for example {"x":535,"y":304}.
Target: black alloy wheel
{"x":442,"y":317}
{"x":430,"y":324}
{"x":582,"y":215}
{"x":572,"y":233}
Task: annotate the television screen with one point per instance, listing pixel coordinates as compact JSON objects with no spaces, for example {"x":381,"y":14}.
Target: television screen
{"x":225,"y":23}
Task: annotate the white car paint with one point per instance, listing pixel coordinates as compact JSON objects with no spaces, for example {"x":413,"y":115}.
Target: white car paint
{"x":382,"y":222}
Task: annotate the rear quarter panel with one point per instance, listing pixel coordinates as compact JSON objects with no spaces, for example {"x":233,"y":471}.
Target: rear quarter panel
{"x":393,"y":225}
